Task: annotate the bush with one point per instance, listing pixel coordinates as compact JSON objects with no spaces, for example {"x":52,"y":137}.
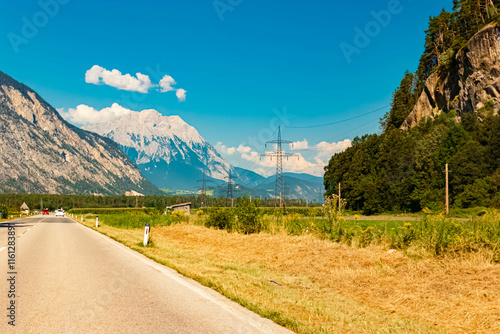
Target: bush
{"x":331,"y":211}
{"x":5,"y":212}
{"x":248,"y":215}
{"x":295,"y":224}
{"x":219,"y":217}
{"x":180,"y":215}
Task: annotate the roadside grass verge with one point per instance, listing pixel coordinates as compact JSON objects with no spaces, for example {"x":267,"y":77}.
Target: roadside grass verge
{"x":13,"y":216}
{"x":80,"y":211}
{"x":310,"y":285}
{"x":136,"y":220}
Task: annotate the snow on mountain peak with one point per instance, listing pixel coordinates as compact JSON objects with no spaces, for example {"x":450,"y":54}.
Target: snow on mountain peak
{"x":155,"y":137}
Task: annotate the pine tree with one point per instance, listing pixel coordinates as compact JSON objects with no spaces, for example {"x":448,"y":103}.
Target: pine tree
{"x":403,"y":101}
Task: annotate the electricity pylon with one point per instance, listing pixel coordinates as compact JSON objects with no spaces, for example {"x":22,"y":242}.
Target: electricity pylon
{"x":230,"y":178}
{"x":279,"y":190}
{"x":203,"y":190}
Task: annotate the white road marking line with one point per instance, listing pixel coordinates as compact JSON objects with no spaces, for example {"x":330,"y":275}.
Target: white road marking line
{"x":182,"y":280}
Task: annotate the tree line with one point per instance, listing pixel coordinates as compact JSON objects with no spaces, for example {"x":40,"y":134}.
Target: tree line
{"x":399,"y":170}
{"x":55,"y":201}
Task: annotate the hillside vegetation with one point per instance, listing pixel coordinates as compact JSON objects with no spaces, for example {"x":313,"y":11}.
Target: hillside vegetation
{"x":404,"y":170}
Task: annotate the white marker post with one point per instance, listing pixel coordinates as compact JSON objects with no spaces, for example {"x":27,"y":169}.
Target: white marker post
{"x":97,"y":221}
{"x":146,"y":234}
{"x":82,"y":217}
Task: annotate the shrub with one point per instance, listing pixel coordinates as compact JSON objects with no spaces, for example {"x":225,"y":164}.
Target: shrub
{"x":5,"y":212}
{"x":248,"y":215}
{"x":219,"y":217}
{"x":314,"y":212}
{"x":331,"y":211}
{"x":295,"y":225}
{"x":180,"y":215}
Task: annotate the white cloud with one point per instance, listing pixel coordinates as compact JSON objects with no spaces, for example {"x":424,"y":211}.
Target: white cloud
{"x":166,"y":84}
{"x":312,"y":163}
{"x":98,"y":75}
{"x":253,"y":156}
{"x":299,"y":145}
{"x":297,"y":164}
{"x":141,"y":83}
{"x":181,"y":94}
{"x":85,"y":115}
{"x":223,"y":149}
{"x":326,"y":150}
{"x":243,"y":149}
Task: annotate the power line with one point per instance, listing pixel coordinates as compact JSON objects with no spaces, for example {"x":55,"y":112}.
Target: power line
{"x":337,"y":122}
{"x":250,"y":165}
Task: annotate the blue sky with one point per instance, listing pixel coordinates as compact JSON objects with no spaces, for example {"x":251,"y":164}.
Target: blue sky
{"x":241,"y":62}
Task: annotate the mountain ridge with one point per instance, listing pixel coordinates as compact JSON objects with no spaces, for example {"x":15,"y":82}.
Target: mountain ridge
{"x":161,"y":145}
{"x":41,"y":152}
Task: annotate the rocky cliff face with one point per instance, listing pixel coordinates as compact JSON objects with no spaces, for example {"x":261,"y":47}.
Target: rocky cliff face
{"x":471,"y":84}
{"x":41,"y":153}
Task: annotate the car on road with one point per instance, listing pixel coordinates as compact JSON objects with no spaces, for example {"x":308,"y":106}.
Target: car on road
{"x":60,"y":212}
{"x":45,"y":212}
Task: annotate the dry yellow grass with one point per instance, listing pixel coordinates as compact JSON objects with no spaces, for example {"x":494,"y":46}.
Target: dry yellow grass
{"x":327,"y":287}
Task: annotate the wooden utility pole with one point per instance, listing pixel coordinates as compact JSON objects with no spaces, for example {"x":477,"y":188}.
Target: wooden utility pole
{"x":447,"y":192}
{"x":339,"y":197}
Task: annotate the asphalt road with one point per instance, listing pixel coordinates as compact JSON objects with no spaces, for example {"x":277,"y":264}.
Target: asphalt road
{"x":70,"y":279}
{"x":22,"y":226}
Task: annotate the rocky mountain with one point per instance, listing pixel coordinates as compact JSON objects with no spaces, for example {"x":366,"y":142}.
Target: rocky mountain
{"x":472,"y":82}
{"x":449,"y":112}
{"x":41,"y":153}
{"x":168,"y":151}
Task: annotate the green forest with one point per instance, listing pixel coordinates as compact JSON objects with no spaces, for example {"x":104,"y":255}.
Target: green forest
{"x":399,"y":170}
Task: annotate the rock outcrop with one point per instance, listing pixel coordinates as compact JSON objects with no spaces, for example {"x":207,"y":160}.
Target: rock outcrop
{"x":42,"y":153}
{"x":471,"y":83}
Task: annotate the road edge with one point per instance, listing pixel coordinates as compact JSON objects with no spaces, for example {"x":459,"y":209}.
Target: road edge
{"x":253,"y":319}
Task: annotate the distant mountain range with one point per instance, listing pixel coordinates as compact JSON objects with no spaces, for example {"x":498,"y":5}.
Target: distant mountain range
{"x":139,"y":151}
{"x":168,"y":151}
{"x":173,"y":155}
{"x":303,"y":186}
{"x":41,"y":153}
